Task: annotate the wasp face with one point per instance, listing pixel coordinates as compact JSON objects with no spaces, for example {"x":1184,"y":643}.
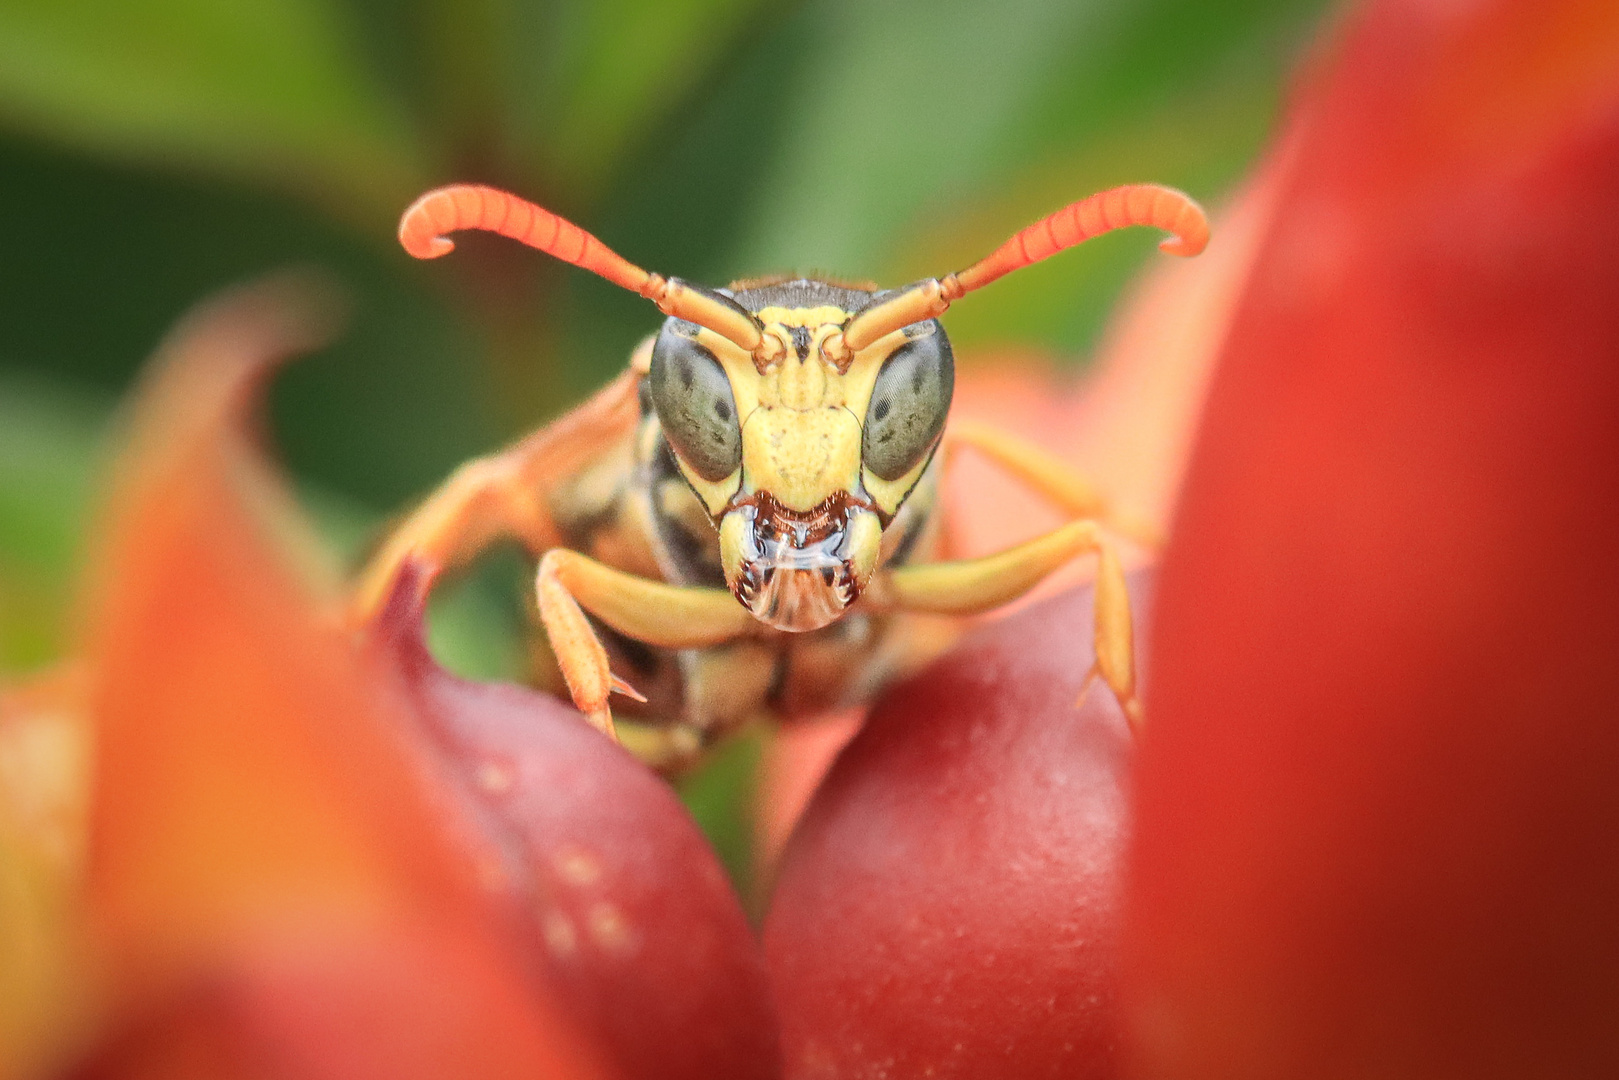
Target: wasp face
{"x":801,"y":462}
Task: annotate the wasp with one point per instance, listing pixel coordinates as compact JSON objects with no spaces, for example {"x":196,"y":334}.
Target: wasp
{"x":746,"y":521}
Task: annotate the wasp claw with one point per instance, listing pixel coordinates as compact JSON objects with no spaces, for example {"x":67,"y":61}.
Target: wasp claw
{"x":1132,"y":713}
{"x":602,"y":720}
{"x":619,"y":686}
{"x":1085,"y":685}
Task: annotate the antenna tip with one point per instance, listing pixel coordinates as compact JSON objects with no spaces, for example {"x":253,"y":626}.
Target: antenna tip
{"x":1188,"y":224}
{"x":423,"y":246}
{"x":1184,"y":246}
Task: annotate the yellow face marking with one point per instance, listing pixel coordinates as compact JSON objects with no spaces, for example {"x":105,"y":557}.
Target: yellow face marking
{"x":801,"y":457}
{"x":803,"y":443}
{"x":733,"y":532}
{"x":801,"y":419}
{"x":716,"y":494}
{"x":889,"y":494}
{"x":865,"y":545}
{"x":826,"y":314}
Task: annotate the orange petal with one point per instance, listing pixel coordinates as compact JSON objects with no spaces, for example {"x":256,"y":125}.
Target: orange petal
{"x":44,"y":748}
{"x":617,"y":897}
{"x":261,"y":831}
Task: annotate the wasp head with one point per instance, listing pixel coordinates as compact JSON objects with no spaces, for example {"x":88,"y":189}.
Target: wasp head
{"x":804,"y":458}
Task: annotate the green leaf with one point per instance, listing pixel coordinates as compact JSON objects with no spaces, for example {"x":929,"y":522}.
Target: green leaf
{"x":1201,"y":141}
{"x":721,"y":796}
{"x":904,"y":105}
{"x":619,"y":68}
{"x":272,"y":91}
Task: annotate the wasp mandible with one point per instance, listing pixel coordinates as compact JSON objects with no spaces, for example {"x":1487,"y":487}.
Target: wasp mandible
{"x":749,"y":513}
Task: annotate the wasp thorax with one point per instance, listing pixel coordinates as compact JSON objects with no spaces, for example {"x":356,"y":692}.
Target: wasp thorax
{"x":798,"y":571}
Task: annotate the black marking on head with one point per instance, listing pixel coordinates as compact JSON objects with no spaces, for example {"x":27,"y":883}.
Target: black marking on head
{"x":801,"y":341}
{"x":800,"y":293}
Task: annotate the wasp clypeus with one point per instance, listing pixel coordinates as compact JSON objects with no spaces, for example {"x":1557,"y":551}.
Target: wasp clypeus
{"x":748,"y":514}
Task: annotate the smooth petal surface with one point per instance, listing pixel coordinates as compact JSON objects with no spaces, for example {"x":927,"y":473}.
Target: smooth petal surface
{"x":948,"y":906}
{"x":621,"y":902}
{"x":273,"y":889}
{"x":1378,"y":825}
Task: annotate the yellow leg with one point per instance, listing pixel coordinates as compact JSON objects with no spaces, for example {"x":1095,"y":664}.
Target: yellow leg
{"x":667,"y":616}
{"x":1047,"y":475}
{"x":670,"y":749}
{"x":500,"y":496}
{"x":972,"y":586}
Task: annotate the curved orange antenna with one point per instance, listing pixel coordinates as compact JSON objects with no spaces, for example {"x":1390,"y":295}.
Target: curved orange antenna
{"x":423,"y":226}
{"x":1116,"y":208}
{"x":425,"y":223}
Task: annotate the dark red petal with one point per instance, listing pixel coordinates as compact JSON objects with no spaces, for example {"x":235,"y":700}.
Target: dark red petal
{"x":621,"y":902}
{"x":948,"y":905}
{"x":1379,"y":817}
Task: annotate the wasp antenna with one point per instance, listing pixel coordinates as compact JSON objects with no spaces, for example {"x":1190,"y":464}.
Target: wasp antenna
{"x":423,"y":226}
{"x":1117,"y":208}
{"x":425,"y":223}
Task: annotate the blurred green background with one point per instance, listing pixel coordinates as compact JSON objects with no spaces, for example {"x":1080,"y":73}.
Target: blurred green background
{"x":154,"y":151}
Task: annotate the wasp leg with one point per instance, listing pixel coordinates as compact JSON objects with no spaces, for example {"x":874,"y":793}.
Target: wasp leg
{"x":1048,"y":475}
{"x":501,"y":495}
{"x":973,"y":586}
{"x":667,"y":616}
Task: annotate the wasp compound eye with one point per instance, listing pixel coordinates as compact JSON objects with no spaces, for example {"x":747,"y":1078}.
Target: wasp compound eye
{"x":909,"y":404}
{"x":694,"y":403}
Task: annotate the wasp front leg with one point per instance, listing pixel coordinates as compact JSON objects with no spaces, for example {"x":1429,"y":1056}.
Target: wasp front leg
{"x":974,"y":586}
{"x":1049,"y":476}
{"x":659,"y":614}
{"x":503,"y":495}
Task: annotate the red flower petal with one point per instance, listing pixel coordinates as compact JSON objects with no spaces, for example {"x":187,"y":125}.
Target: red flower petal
{"x":1379,"y":822}
{"x":620,"y":900}
{"x":948,"y":905}
{"x":270,"y":882}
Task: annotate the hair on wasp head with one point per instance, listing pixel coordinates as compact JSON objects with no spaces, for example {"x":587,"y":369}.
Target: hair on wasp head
{"x":801,"y":412}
